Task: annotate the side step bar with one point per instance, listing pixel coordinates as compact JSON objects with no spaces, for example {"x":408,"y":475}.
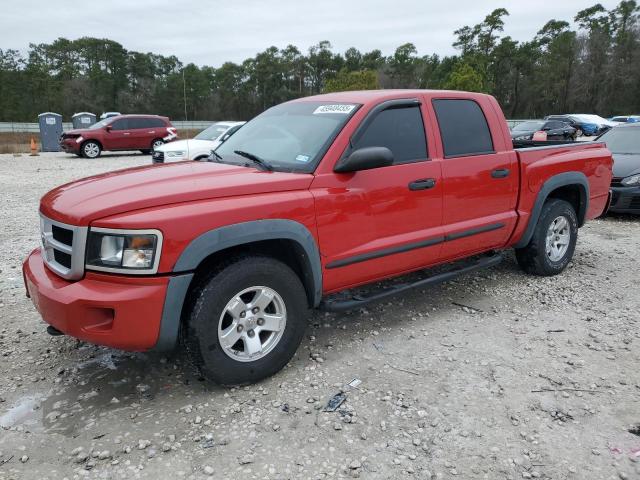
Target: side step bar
{"x":358,"y":301}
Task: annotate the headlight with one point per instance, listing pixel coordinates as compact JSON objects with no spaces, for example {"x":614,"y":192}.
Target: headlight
{"x":127,"y":251}
{"x":631,"y":181}
{"x":178,"y":153}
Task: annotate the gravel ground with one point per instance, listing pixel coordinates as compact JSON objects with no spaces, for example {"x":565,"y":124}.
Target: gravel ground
{"x":497,"y":375}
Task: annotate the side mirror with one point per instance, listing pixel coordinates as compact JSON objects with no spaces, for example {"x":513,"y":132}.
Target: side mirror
{"x":108,"y":128}
{"x":365,"y":159}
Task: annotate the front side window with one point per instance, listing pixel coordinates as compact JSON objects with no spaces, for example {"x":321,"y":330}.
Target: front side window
{"x":121,"y":124}
{"x":401,"y":130}
{"x":292,"y":136}
{"x":463,"y":128}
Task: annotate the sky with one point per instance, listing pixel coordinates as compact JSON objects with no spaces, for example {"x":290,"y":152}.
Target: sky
{"x":211,"y":32}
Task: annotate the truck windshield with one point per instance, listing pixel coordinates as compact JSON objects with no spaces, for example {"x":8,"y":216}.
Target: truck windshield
{"x":622,"y":140}
{"x":289,"y":137}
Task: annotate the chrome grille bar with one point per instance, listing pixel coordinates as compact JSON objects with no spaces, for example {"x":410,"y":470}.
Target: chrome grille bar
{"x":50,"y":245}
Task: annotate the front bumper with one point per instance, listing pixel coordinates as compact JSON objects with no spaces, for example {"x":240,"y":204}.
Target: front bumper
{"x":116,"y":311}
{"x":70,"y":145}
{"x":157,"y":157}
{"x":625,"y":200}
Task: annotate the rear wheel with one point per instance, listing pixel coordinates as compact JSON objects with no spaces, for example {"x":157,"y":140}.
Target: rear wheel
{"x":553,"y":242}
{"x":91,"y":149}
{"x":246,"y":320}
{"x":156,"y":143}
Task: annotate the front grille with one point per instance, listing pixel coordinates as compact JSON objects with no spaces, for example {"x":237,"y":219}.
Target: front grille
{"x":62,"y":258}
{"x":63,"y":248}
{"x":635,"y":202}
{"x":157,"y":157}
{"x":62,"y":235}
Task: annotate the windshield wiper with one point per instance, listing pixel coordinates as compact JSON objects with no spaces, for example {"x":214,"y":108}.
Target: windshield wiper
{"x":255,"y":159}
{"x":216,"y":154}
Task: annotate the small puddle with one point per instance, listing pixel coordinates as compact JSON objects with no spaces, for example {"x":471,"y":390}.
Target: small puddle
{"x":23,"y":412}
{"x":110,"y":381}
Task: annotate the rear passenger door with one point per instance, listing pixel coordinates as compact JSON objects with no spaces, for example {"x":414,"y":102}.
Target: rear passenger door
{"x":480,"y":176}
{"x":141,"y":133}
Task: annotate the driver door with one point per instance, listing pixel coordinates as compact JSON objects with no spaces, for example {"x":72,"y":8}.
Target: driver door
{"x":384,"y":221}
{"x":118,"y":138}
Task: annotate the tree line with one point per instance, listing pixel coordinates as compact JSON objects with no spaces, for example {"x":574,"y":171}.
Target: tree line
{"x":593,"y":67}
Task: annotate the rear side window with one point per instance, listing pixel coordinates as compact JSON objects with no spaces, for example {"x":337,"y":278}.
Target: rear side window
{"x":463,"y":128}
{"x":401,"y":130}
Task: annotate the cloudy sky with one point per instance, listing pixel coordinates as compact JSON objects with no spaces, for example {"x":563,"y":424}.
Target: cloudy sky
{"x":210,"y":32}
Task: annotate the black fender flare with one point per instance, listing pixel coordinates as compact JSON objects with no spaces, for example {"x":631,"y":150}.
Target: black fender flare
{"x":565,"y":179}
{"x":229,"y":236}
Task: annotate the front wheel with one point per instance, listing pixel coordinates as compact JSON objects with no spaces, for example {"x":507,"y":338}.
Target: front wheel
{"x":553,"y":242}
{"x":579,"y":132}
{"x":246,"y":320}
{"x":91,"y":149}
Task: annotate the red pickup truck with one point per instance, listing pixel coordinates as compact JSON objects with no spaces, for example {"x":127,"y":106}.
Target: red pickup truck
{"x":312,"y":197}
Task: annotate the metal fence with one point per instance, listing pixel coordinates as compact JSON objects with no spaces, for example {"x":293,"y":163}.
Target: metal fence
{"x":22,"y":127}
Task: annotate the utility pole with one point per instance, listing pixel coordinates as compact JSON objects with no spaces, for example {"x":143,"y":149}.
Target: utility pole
{"x":184,"y":94}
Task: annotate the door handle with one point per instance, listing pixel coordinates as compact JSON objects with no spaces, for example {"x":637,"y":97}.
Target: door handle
{"x":500,"y":173}
{"x":422,"y":184}
{"x":126,"y":133}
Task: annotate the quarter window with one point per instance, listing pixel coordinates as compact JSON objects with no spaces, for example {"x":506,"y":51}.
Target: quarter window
{"x":463,"y":127}
{"x":401,"y":130}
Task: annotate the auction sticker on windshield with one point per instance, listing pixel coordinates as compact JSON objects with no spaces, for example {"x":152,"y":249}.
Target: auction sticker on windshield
{"x":342,"y":108}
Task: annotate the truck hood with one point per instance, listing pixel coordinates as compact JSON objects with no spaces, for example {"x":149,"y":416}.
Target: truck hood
{"x":625,"y":164}
{"x":112,"y":193}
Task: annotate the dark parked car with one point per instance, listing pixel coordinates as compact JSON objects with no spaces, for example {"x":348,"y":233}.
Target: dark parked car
{"x":624,"y":143}
{"x":555,"y":130}
{"x":582,"y":125}
{"x":122,"y":132}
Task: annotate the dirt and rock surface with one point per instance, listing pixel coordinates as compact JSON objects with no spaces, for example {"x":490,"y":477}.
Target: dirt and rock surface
{"x":497,"y":375}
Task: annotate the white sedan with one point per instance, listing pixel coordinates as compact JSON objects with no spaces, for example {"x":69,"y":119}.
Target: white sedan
{"x":197,"y":148}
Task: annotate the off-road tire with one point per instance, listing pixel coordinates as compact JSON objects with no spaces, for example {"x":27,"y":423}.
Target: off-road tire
{"x":533,"y":258}
{"x":89,"y":147}
{"x":207,"y":301}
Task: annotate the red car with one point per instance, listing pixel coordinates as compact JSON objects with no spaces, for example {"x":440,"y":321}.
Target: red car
{"x":311,"y":198}
{"x":122,"y":132}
